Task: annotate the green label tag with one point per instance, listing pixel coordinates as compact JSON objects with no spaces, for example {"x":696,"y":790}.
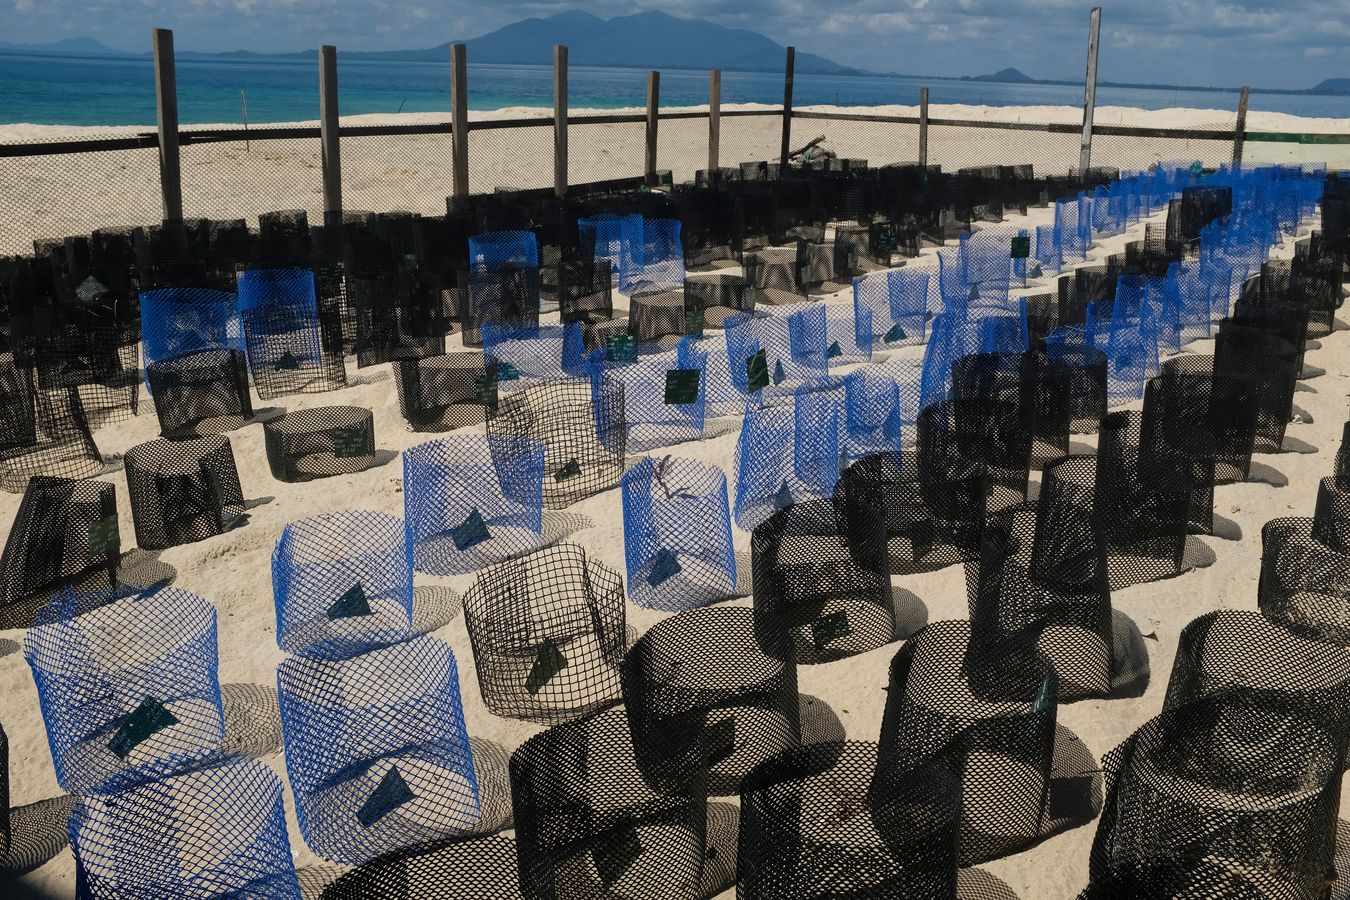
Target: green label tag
{"x":549,"y":661}
{"x":104,"y":539}
{"x":897,"y":333}
{"x":693,"y":321}
{"x":615,"y":853}
{"x":287,"y":361}
{"x":681,"y":386}
{"x":570,"y":470}
{"x":664,"y":567}
{"x":887,"y":241}
{"x":473,"y":530}
{"x":834,"y":350}
{"x":719,"y":741}
{"x":1042,"y":701}
{"x":830,"y":628}
{"x":485,"y":391}
{"x":350,"y":442}
{"x":783,"y":499}
{"x":148,"y":718}
{"x":778,"y":374}
{"x":1021,"y":246}
{"x":1197,"y":169}
{"x":756,"y":372}
{"x":507,"y":372}
{"x":351,"y":604}
{"x":620,"y":348}
{"x":391,"y":793}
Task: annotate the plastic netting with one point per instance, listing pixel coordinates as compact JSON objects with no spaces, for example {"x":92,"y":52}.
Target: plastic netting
{"x":376,"y":749}
{"x":446,"y":392}
{"x":288,"y":349}
{"x":320,"y":442}
{"x":821,"y":573}
{"x":65,"y":529}
{"x":710,"y":693}
{"x":1193,"y":878}
{"x":1239,"y":778}
{"x":665,"y":394}
{"x":6,"y":832}
{"x":773,"y":276}
{"x":677,"y":534}
{"x":585,"y":291}
{"x":815,"y":823}
{"x":589,"y":825}
{"x":787,"y":455}
{"x":997,"y":712}
{"x":717,"y":296}
{"x":506,"y":296}
{"x":659,"y":262}
{"x":343,"y":584}
{"x":1305,"y":570}
{"x":127,"y":684}
{"x":765,"y":360}
{"x":398,"y":315}
{"x":1201,"y":413}
{"x":548,"y":635}
{"x":530,"y":353}
{"x":659,"y":316}
{"x":201,"y":393}
{"x":182,"y":491}
{"x":616,"y":239}
{"x":1270,"y":363}
{"x":583,"y":435}
{"x":954,"y":336}
{"x":992,"y":418}
{"x":215,"y":832}
{"x":100,"y":361}
{"x":896,"y":302}
{"x":179,"y":321}
{"x":874,"y":413}
{"x":471,"y":500}
{"x":496,"y":250}
{"x":465,"y":869}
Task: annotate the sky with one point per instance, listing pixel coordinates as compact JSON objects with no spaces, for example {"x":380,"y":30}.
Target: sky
{"x":1267,"y":43}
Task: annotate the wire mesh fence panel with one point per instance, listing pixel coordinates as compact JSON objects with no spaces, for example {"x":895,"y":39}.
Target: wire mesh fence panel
{"x":403,"y":172}
{"x":250,"y":174}
{"x":880,"y":143}
{"x":513,"y":158}
{"x":1138,"y":153}
{"x":1267,"y":148}
{"x":955,"y":147}
{"x":749,"y":138}
{"x":600,"y":152}
{"x":74,"y":193}
{"x":682,"y":147}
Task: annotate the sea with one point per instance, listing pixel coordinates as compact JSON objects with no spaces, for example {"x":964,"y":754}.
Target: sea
{"x":59,"y":89}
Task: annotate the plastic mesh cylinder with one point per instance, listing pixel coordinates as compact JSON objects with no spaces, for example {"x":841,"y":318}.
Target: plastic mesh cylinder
{"x":180,"y":321}
{"x":821,"y":573}
{"x":1199,"y":879}
{"x":442,"y":393}
{"x":677,"y":534}
{"x":127,"y":684}
{"x":215,"y":832}
{"x":343,"y":584}
{"x":471,"y":500}
{"x":200,"y":393}
{"x":376,"y":749}
{"x":398,"y":315}
{"x":1202,"y":413}
{"x":182,"y":491}
{"x":588,"y":824}
{"x":1269,"y":363}
{"x":64,"y":529}
{"x":785,"y":456}
{"x":548,"y":634}
{"x":320,"y":442}
{"x":1305,"y":584}
{"x":709,"y":692}
{"x":665,"y":395}
{"x":286,"y":350}
{"x":469,"y":869}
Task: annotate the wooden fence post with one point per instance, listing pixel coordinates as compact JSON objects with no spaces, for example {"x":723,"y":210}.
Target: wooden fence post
{"x":923,"y":127}
{"x":330,"y":146}
{"x":714,"y":122}
{"x":459,"y":120}
{"x":1090,"y":92}
{"x":653,"y":110}
{"x":166,"y":113}
{"x":1240,"y":133}
{"x":559,"y":120}
{"x":787,"y":107}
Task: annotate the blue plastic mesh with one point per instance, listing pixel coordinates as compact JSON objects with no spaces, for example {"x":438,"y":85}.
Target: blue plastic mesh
{"x":657,"y":262}
{"x":988,"y":267}
{"x":664,"y":394}
{"x":617,"y":239}
{"x":343,"y":584}
{"x":1131,"y":347}
{"x":677,"y":534}
{"x":527,"y":354}
{"x":894,"y":303}
{"x":286,"y":351}
{"x":786,"y":455}
{"x":1141,"y":297}
{"x":212,"y":833}
{"x":955,"y":335}
{"x":179,"y":321}
{"x":495,"y":250}
{"x":1048,"y":253}
{"x":781,"y":368}
{"x":1188,"y":299}
{"x":720,"y":393}
{"x":872,"y":400}
{"x":470,"y":500}
{"x":127,"y":684}
{"x":1071,"y":232}
{"x":376,"y":749}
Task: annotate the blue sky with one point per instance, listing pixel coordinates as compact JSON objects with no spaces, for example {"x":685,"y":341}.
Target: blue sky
{"x":1272,"y":43}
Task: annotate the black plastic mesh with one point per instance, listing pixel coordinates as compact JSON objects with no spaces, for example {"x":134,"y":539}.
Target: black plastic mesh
{"x":182,"y":491}
{"x":316,"y":443}
{"x":773,"y":276}
{"x":398,"y":315}
{"x":718,"y":296}
{"x":100,"y":361}
{"x":508,"y":295}
{"x":201,"y":393}
{"x":705,"y":697}
{"x":64,"y":529}
{"x":816,"y":823}
{"x":1188,"y":880}
{"x":1270,"y":363}
{"x":584,"y":434}
{"x":5,"y":830}
{"x":446,"y":392}
{"x":588,"y":825}
{"x":959,"y":437}
{"x":996,"y":712}
{"x":1202,"y":414}
{"x":287,"y":349}
{"x":657,"y":315}
{"x":992,"y":419}
{"x":585,"y":291}
{"x":475,"y":869}
{"x":1072,"y":377}
{"x":1305,"y":570}
{"x":44,"y":432}
{"x":548,"y":635}
{"x":1240,"y":779}
{"x":821,"y":572}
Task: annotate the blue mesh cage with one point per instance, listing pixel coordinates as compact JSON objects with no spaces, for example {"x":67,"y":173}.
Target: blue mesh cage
{"x":1131,"y":349}
{"x":952,"y":287}
{"x":785,"y":455}
{"x":1048,"y":253}
{"x":956,"y":335}
{"x":127,"y":683}
{"x":470,"y":500}
{"x":808,"y":339}
{"x":1070,"y":235}
{"x":529,"y":353}
{"x":677,"y":534}
{"x":179,"y":321}
{"x":376,"y":750}
{"x":1186,"y":296}
{"x":213,"y":832}
{"x":760,"y":346}
{"x":656,"y":258}
{"x":720,"y":394}
{"x":495,"y":250}
{"x":874,"y":422}
{"x":1143,"y":297}
{"x":286,"y":352}
{"x":343,"y":584}
{"x":664,"y":394}
{"x":617,"y":239}
{"x":890,"y":308}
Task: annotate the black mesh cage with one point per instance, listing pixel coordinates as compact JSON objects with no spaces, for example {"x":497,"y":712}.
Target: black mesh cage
{"x":993,"y":413}
{"x":291,"y":350}
{"x":1331,"y":517}
{"x":182,"y":491}
{"x":1237,"y":778}
{"x":704,"y":696}
{"x":717,"y":296}
{"x":203,"y":393}
{"x":996,"y":712}
{"x":658,"y":316}
{"x":65,"y":529}
{"x":817,"y":822}
{"x":958,"y":437}
{"x":399,"y":314}
{"x":1305,"y":570}
{"x":821,"y":572}
{"x":1271,"y":364}
{"x":316,"y":443}
{"x":585,"y":290}
{"x":100,"y":361}
{"x":6,"y":834}
{"x":584,"y":434}
{"x":474,"y":869}
{"x":548,"y":635}
{"x":1342,"y":471}
{"x":44,"y":432}
{"x":508,"y":295}
{"x":588,"y":825}
{"x":1202,"y":414}
{"x":1196,"y":879}
{"x":446,"y":392}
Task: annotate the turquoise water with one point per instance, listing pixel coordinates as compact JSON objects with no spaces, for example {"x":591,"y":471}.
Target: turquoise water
{"x":119,"y":90}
